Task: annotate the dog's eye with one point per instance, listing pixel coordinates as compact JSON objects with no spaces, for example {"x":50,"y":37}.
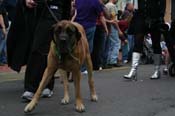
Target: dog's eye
{"x":58,"y":30}
{"x":70,"y":30}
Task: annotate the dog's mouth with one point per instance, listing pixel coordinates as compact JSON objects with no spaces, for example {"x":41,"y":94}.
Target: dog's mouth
{"x":63,"y":49}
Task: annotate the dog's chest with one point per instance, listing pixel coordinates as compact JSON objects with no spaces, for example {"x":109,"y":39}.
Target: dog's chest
{"x":68,"y":64}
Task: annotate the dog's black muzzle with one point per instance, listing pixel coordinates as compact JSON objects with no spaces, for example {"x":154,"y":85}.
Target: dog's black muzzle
{"x":63,"y":43}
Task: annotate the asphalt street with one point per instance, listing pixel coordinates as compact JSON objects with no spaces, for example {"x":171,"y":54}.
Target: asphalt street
{"x":117,"y":97}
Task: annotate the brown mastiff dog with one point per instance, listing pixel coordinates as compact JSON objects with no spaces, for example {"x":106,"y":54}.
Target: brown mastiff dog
{"x":69,"y":50}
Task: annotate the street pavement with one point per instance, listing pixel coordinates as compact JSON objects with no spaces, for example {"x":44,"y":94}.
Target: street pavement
{"x":117,"y":96}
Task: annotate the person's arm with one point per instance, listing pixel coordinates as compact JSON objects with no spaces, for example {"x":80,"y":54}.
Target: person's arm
{"x":30,"y":3}
{"x":2,"y":25}
{"x":75,"y":14}
{"x":118,"y":28}
{"x":103,"y":21}
{"x":115,"y":23}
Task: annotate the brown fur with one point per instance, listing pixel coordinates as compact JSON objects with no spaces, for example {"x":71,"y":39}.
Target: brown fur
{"x":80,"y":52}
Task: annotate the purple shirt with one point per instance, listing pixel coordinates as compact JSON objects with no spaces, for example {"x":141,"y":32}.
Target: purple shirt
{"x":87,"y":12}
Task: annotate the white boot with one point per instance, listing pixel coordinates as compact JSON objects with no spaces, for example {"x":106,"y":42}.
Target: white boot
{"x":135,"y":62}
{"x":157,"y":62}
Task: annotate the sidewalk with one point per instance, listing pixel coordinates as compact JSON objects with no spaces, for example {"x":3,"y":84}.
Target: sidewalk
{"x":5,"y":69}
{"x":7,"y":74}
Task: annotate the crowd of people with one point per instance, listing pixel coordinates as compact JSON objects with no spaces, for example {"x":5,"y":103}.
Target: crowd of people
{"x":115,"y":37}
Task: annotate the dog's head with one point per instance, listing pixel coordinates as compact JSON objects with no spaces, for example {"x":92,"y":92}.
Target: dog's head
{"x":66,"y":35}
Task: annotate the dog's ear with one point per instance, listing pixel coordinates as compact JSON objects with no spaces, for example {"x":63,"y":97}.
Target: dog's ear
{"x":51,"y":31}
{"x":78,"y":34}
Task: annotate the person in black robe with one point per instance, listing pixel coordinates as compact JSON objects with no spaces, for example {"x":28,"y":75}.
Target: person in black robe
{"x":29,"y":39}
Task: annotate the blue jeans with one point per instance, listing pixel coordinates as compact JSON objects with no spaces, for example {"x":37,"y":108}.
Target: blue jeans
{"x":90,"y":33}
{"x":114,"y":46}
{"x":3,"y":57}
{"x":125,"y":52}
{"x":131,"y":45}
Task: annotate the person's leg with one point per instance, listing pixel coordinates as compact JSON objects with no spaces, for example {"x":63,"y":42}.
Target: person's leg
{"x":138,"y":48}
{"x":114,"y":47}
{"x":131,"y":46}
{"x":94,"y":54}
{"x":102,"y":42}
{"x":38,"y":58}
{"x":106,"y":52}
{"x":99,"y":46}
{"x":90,"y":32}
{"x":4,"y":53}
{"x":2,"y":48}
{"x":167,"y":61}
{"x":125,"y":52}
{"x":156,"y":35}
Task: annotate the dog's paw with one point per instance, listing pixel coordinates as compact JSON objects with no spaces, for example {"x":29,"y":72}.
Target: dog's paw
{"x":65,"y":101}
{"x":94,"y":98}
{"x":80,"y":108}
{"x":30,"y":107}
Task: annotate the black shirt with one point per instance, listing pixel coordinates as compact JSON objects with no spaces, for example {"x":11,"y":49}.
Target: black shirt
{"x":59,"y":7}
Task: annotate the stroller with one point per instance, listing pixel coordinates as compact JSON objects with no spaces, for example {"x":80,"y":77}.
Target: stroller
{"x":147,"y":55}
{"x":170,"y":42}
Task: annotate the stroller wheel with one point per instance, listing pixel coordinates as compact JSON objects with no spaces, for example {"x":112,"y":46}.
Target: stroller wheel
{"x":171,"y":69}
{"x":165,"y":71}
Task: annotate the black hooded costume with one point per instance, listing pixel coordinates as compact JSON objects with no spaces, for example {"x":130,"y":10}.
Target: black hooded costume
{"x":29,"y":38}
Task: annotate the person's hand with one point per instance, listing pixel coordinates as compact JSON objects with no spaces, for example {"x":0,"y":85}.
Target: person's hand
{"x":111,"y":21}
{"x":126,"y":41}
{"x":4,"y":31}
{"x":107,"y":32}
{"x":120,"y":33}
{"x":30,"y":3}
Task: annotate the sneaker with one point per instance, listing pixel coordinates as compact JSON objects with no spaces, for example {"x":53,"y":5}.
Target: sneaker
{"x":84,"y":72}
{"x":125,"y":61}
{"x":100,"y":68}
{"x":47,"y":93}
{"x":27,"y":96}
{"x":106,"y":67}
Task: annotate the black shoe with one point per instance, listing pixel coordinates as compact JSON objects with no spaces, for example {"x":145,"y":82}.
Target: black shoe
{"x":107,"y":67}
{"x":115,"y":65}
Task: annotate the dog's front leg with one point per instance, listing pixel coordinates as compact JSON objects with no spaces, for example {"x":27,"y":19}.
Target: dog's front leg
{"x":79,"y":103}
{"x":48,"y":73}
{"x":47,"y":76}
{"x":90,"y":79}
{"x":65,"y":100}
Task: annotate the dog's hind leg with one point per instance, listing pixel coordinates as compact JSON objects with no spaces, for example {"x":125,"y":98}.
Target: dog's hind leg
{"x":65,"y":100}
{"x":79,"y":102}
{"x":48,"y":73}
{"x":89,"y":66}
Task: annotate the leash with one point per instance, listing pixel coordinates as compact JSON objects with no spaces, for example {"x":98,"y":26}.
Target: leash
{"x":54,"y":41}
{"x":51,"y":12}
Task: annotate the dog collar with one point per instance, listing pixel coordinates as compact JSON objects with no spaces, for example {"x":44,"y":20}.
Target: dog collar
{"x":56,"y":50}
